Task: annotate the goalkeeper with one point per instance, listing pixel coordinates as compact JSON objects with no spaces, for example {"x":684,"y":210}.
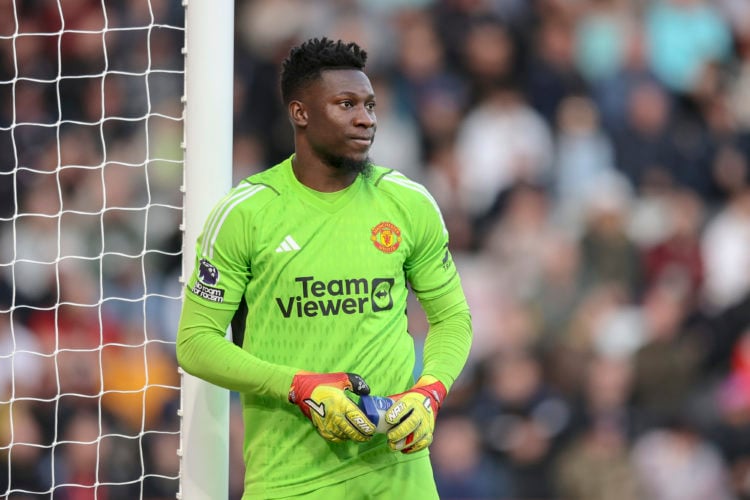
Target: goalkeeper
{"x":310,"y":262}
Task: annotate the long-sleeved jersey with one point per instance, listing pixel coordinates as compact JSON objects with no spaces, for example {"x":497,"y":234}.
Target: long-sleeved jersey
{"x":324,"y":279}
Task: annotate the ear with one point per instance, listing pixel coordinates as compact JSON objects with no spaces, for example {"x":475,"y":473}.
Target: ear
{"x":298,"y":113}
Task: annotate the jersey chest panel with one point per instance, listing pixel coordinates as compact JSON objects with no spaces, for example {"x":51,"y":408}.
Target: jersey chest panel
{"x":315,"y":264}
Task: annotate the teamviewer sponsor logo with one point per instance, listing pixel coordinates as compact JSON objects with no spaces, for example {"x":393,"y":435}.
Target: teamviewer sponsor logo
{"x":382,"y":300}
{"x":336,"y":297}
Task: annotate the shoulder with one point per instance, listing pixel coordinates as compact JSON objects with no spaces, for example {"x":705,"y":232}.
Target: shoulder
{"x":255,"y":192}
{"x":389,"y":180}
{"x":247,"y":196}
{"x":394,"y":183}
{"x":251,"y":199}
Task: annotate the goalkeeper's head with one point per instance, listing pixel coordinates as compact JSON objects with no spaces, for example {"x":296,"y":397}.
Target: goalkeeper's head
{"x":331,"y":104}
{"x":306,"y":62}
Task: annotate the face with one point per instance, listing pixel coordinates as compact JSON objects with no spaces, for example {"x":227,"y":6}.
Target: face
{"x":339,"y":120}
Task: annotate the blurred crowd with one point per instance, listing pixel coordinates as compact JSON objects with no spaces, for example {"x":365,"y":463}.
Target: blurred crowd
{"x":591,"y":158}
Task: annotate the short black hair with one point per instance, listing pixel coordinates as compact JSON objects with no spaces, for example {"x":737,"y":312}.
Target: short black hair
{"x":307,"y":60}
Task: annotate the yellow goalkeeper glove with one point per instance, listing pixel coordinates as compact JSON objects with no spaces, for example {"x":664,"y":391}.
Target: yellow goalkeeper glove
{"x":322,"y":399}
{"x":413,"y":415}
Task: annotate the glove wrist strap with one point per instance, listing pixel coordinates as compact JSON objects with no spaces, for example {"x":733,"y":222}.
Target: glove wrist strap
{"x":436,"y":391}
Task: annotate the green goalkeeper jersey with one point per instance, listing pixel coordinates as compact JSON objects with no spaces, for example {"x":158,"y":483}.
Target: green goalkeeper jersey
{"x":324,"y":279}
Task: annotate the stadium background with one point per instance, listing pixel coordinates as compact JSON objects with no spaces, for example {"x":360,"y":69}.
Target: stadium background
{"x":591,"y":160}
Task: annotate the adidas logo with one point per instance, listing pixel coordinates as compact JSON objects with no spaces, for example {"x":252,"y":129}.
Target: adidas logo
{"x":288,"y":245}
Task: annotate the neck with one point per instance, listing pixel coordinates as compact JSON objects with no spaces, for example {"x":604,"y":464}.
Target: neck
{"x":315,"y":174}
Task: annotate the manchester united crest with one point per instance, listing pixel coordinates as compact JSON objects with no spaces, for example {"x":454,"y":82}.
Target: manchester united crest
{"x":386,"y":237}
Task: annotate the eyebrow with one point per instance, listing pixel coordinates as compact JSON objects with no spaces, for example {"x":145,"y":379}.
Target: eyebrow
{"x":343,"y":93}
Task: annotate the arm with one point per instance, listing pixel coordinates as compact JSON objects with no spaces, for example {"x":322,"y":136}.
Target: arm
{"x":203,"y":351}
{"x":446,"y":350}
{"x":433,"y":276}
{"x":449,"y":337}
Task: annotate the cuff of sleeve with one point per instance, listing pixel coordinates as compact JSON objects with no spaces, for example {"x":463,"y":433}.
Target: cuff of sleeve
{"x":426,"y":380}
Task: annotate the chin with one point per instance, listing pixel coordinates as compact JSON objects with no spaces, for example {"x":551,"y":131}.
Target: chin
{"x":358,"y":164}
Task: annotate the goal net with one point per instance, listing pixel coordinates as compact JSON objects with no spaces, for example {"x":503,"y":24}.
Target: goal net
{"x":91,"y":169}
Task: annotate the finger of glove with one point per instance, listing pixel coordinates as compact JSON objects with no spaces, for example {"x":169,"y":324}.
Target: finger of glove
{"x":399,"y":410}
{"x":338,"y":416}
{"x":349,"y":422}
{"x":419,"y":445}
{"x":363,"y":427}
{"x":339,"y":427}
{"x":353,"y":425}
{"x":325,"y":434}
{"x":357,"y":384}
{"x":406,"y":414}
{"x":330,"y":429}
{"x":412,"y":443}
{"x":416,"y":425}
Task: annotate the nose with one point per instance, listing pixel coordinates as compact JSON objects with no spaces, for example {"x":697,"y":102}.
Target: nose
{"x":365,"y":117}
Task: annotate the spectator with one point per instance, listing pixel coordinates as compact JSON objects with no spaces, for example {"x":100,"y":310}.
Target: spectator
{"x":642,"y":146}
{"x":678,"y":59}
{"x":558,"y":291}
{"x":667,"y":364}
{"x":726,"y":248}
{"x":677,"y":463}
{"x":678,"y":258}
{"x":610,"y":254}
{"x":552,"y":73}
{"x":518,"y":237}
{"x":502,"y":141}
{"x":603,"y":31}
{"x":597,"y":465}
{"x":584,"y":158}
{"x":489,"y":57}
{"x":464,"y":471}
{"x":524,"y":420}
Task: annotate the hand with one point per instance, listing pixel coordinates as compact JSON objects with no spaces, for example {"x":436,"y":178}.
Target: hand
{"x":322,"y":399}
{"x":413,"y":415}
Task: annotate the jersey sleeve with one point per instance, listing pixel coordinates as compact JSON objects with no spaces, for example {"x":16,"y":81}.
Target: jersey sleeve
{"x":430,"y":268}
{"x":201,"y":342}
{"x":222,"y":262}
{"x":214,"y":292}
{"x":437,"y":285}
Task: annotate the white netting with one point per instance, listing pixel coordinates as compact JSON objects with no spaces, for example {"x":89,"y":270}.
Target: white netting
{"x":90,"y":207}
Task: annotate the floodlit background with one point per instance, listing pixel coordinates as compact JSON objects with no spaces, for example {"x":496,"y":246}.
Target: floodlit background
{"x":590,"y":158}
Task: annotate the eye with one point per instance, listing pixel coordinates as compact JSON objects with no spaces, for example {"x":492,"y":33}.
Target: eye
{"x":346,"y":104}
{"x":370,"y":106}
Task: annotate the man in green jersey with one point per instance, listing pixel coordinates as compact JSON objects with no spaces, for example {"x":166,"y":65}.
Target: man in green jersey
{"x":314,"y":256}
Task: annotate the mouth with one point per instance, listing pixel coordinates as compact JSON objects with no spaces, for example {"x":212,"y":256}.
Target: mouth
{"x":365,"y":140}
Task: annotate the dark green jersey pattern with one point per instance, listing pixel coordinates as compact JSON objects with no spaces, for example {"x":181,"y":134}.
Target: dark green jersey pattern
{"x":324,"y":278}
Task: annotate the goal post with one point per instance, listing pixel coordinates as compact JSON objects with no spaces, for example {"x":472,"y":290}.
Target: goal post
{"x":209,"y":64}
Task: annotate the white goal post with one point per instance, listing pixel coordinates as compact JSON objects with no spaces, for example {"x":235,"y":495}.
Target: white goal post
{"x":209,"y":64}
